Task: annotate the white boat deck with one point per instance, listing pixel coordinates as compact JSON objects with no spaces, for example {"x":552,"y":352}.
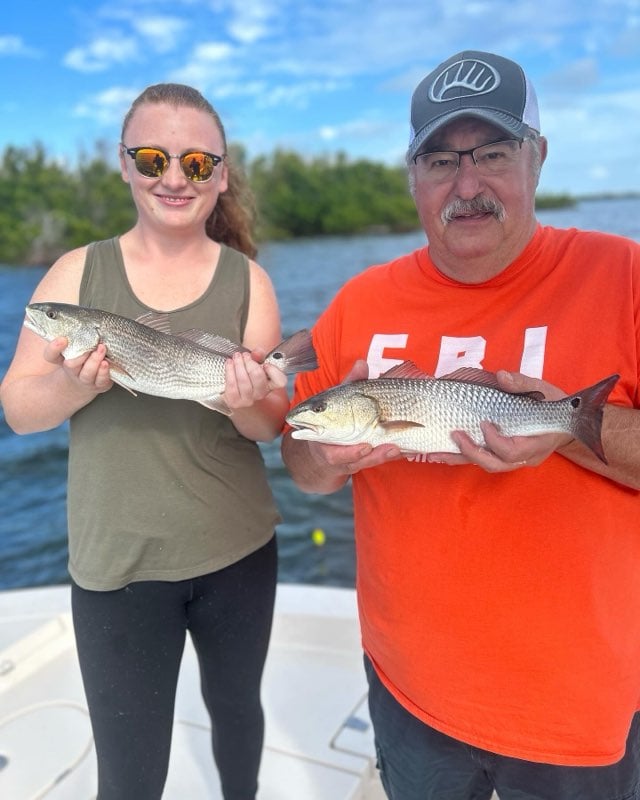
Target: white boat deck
{"x":318,"y":745}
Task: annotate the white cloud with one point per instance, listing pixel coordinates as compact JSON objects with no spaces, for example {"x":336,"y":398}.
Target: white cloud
{"x":296,"y":95}
{"x":15,"y":46}
{"x":101,"y":54}
{"x":212,"y":51}
{"x":107,"y":107}
{"x":163,"y":34}
{"x":251,"y":20}
{"x":226,"y":89}
{"x":210,"y":67}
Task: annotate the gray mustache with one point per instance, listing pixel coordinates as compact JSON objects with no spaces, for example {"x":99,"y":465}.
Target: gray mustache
{"x":478,"y":205}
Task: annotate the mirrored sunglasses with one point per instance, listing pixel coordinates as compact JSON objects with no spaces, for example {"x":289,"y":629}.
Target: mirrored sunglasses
{"x":153,"y":162}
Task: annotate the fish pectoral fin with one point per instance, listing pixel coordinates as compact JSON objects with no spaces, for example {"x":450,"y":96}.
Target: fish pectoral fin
{"x":399,"y":424}
{"x":114,"y":378}
{"x":217,"y":404}
{"x":118,"y":368}
{"x":115,"y":370}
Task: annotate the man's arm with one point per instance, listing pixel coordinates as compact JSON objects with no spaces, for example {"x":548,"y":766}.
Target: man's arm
{"x":621,"y":444}
{"x":325,"y":468}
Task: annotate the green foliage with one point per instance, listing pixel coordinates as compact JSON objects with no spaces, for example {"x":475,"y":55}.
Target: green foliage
{"x":46,"y":209}
{"x":555,"y":201}
{"x":329,"y":196}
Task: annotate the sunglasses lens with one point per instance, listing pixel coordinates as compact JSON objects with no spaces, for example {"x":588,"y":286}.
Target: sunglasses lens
{"x":197,"y":166}
{"x":151,"y":162}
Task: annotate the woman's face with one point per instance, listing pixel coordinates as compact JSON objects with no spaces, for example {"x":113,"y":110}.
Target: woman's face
{"x":172,"y":200}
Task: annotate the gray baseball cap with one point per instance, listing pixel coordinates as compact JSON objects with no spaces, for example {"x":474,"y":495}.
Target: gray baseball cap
{"x":473,"y":84}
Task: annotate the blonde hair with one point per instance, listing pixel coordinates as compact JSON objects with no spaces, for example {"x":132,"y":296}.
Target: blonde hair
{"x":232,"y":220}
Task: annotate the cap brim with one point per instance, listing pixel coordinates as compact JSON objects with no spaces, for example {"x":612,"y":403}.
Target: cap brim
{"x":505,"y":122}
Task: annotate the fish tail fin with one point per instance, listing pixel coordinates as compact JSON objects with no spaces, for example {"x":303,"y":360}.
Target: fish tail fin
{"x":589,"y":407}
{"x":295,"y":354}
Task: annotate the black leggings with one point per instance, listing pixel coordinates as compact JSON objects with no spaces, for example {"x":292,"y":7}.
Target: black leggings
{"x":130,"y":644}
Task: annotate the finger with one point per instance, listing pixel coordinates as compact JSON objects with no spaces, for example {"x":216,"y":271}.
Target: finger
{"x":232,"y":389}
{"x":103,"y":380}
{"x":353,"y":458}
{"x":259,"y":355}
{"x":54,"y":349}
{"x":91,"y":367}
{"x":379,"y":455}
{"x":516,"y":382}
{"x":480,"y":455}
{"x":523,"y":450}
{"x":246,"y":381}
{"x":511,"y":449}
{"x":252,"y":376}
{"x":452,"y":459}
{"x":337,"y":455}
{"x":276,"y":378}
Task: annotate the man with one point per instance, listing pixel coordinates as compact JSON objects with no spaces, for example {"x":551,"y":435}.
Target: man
{"x":498,"y":587}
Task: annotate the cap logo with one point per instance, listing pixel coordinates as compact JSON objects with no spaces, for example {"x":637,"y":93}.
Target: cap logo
{"x":472,"y":76}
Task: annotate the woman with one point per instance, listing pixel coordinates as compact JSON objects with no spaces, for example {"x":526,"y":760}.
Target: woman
{"x":171,"y":521}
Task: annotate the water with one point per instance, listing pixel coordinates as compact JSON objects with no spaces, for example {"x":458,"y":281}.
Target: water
{"x":306,"y":274}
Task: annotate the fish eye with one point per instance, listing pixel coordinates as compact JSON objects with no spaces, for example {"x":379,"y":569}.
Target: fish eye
{"x":319,"y":407}
{"x":278,"y":355}
{"x":52,"y":314}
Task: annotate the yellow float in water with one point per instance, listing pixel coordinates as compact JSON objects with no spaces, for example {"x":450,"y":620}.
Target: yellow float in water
{"x":318,"y":537}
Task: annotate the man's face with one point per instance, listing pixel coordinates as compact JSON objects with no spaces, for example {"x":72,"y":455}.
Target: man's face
{"x":466,"y":242}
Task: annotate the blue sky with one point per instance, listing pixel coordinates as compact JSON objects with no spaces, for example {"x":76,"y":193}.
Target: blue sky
{"x":321,"y":76}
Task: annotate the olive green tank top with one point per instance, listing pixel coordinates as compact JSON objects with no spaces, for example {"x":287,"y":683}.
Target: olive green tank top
{"x":162,"y":489}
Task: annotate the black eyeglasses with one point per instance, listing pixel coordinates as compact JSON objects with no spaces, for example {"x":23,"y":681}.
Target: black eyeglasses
{"x":153,"y":162}
{"x":490,"y":159}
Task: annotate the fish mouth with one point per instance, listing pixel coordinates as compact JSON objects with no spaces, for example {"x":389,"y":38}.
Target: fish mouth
{"x":30,"y":320}
{"x":306,"y":430}
{"x":306,"y":426}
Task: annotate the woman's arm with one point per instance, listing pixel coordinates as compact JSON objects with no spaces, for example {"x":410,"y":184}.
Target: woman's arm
{"x":41,"y":389}
{"x":257,"y":394}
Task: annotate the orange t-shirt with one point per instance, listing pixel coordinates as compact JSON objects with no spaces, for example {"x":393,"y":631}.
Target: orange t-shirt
{"x":502,"y":610}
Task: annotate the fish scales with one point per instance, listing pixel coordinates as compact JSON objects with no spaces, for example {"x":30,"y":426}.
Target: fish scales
{"x":161,"y":364}
{"x":441,"y":406}
{"x":420,"y":414}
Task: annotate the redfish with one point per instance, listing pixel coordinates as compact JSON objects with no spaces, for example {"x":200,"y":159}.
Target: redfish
{"x":419,"y":413}
{"x":145,"y":357}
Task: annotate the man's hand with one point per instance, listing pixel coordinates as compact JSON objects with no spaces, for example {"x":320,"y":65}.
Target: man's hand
{"x":349,"y":459}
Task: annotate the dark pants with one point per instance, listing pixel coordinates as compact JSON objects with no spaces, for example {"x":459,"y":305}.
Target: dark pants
{"x":130,"y":644}
{"x":417,"y":762}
